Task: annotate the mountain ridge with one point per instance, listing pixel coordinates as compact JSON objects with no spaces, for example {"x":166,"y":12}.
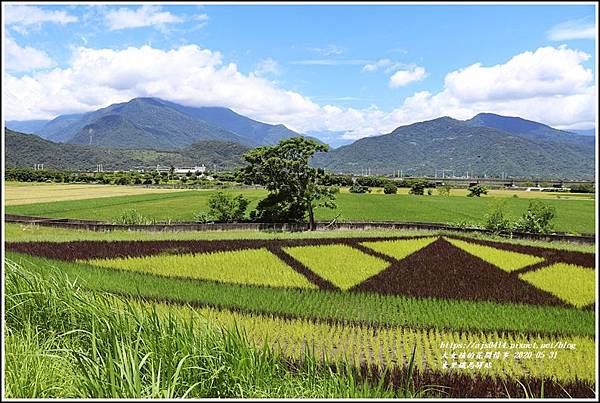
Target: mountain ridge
{"x":156,"y":123}
{"x":25,"y":150}
{"x":422,"y":148}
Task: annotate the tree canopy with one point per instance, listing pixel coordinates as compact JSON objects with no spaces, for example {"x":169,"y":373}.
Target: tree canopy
{"x":294,"y":187}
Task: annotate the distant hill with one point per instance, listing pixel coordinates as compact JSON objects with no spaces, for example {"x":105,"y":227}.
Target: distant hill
{"x":531,"y":130}
{"x":154,"y":123}
{"x":60,"y":128}
{"x":446,"y":143}
{"x":333,"y":138}
{"x":25,"y":126}
{"x":25,"y":150}
{"x":587,"y":132}
{"x":253,"y":132}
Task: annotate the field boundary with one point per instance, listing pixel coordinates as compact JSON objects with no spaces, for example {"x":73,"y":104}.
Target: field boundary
{"x":91,"y":225}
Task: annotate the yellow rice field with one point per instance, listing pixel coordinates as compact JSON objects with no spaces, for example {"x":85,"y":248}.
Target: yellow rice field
{"x":16,"y":193}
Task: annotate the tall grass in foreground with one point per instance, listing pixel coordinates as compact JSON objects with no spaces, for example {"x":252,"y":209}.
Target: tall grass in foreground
{"x":64,"y":342}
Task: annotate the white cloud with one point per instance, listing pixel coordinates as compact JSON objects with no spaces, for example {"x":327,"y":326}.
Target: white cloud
{"x":19,"y":58}
{"x":405,"y":77}
{"x":548,"y":85}
{"x":374,"y":66}
{"x":144,"y":16}
{"x":330,"y":62}
{"x":548,"y":71}
{"x":386,"y":65}
{"x":189,"y":74}
{"x":573,"y":29}
{"x":328,"y":50}
{"x":20,"y":18}
{"x":201,"y":17}
{"x":266,"y":67}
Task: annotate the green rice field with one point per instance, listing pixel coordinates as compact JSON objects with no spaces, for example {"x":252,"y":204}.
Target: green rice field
{"x":572,"y":215}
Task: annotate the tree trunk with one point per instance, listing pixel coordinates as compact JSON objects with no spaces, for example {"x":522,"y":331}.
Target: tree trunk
{"x":311,"y":217}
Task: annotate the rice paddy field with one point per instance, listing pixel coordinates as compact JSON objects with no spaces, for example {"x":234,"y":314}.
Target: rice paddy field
{"x":339,"y":314}
{"x":29,"y":193}
{"x":106,"y":203}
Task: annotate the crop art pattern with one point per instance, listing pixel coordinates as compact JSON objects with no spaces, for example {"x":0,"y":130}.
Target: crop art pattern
{"x":424,"y":267}
{"x":369,"y":302}
{"x":253,"y":266}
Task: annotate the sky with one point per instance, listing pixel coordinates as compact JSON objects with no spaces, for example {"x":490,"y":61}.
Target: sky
{"x":347,"y":70}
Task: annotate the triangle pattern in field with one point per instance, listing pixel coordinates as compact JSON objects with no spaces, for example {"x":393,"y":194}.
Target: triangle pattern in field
{"x":504,"y":259}
{"x":441,"y":270}
{"x":399,"y":248}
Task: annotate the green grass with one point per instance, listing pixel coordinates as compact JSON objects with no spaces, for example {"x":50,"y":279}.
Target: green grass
{"x":358,"y":307}
{"x":399,"y":249}
{"x":571,"y":283}
{"x":35,"y":233}
{"x":343,"y":265}
{"x":575,"y":216}
{"x":62,"y":342}
{"x":176,"y":206}
{"x":251,"y":266}
{"x":506,"y":260}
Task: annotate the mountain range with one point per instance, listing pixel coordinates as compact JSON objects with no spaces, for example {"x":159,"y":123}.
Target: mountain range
{"x":487,"y":144}
{"x":147,"y":131}
{"x":25,"y":150}
{"x":154,"y":123}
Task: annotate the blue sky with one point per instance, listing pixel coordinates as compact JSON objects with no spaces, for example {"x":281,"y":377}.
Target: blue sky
{"x":355,"y":69}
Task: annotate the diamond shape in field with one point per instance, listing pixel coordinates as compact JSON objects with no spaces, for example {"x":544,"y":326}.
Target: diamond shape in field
{"x":504,"y":259}
{"x":342,"y":265}
{"x":572,"y":284}
{"x":247,"y":266}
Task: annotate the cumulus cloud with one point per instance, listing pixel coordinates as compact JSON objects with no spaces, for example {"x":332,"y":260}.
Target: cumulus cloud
{"x":405,"y":77}
{"x":547,"y":71}
{"x":144,"y":16}
{"x":266,"y":67}
{"x":19,"y":58}
{"x":188,"y":74}
{"x":20,"y":18}
{"x":581,"y":28}
{"x":549,"y":85}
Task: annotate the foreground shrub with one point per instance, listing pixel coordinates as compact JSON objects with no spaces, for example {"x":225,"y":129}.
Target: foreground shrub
{"x":226,"y":208}
{"x":537,"y":219}
{"x":418,"y":187}
{"x":496,"y":221}
{"x":356,"y":188}
{"x":477,"y":191}
{"x":132,"y":217}
{"x":203,"y":217}
{"x":390,"y":188}
{"x":444,"y":190}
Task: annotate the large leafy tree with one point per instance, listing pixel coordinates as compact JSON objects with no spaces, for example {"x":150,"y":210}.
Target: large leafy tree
{"x":294,"y":187}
